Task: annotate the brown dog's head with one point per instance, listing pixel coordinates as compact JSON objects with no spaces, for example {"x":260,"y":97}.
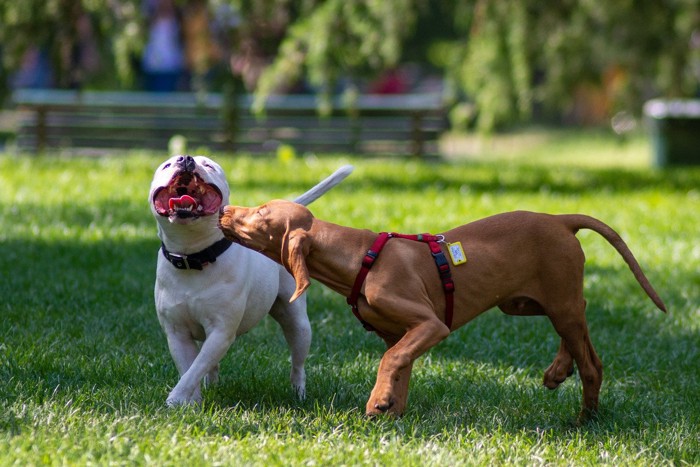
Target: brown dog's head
{"x":278,"y":229}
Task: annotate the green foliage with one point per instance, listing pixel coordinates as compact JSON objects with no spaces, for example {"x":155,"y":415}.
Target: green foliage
{"x":505,"y":58}
{"x":515,"y":55}
{"x":339,"y":39}
{"x":652,"y":41}
{"x":85,"y":367}
{"x":61,"y":28}
{"x":492,"y":65}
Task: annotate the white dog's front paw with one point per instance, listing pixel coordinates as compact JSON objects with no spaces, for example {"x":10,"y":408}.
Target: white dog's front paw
{"x":175,"y":400}
{"x":300,"y":391}
{"x":299,"y":383}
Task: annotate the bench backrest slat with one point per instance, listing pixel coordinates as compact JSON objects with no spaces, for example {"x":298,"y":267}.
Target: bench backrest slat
{"x":404,"y":124}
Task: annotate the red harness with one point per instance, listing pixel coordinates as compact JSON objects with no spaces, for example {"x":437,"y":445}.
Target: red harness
{"x":443,"y":267}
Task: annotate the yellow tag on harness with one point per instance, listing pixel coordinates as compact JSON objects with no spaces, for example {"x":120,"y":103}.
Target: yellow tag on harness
{"x":456,"y":253}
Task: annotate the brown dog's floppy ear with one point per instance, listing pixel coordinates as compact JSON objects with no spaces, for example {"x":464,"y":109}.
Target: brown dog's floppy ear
{"x":293,"y":256}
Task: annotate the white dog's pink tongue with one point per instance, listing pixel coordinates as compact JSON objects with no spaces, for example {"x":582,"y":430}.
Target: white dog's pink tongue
{"x":183,"y":202}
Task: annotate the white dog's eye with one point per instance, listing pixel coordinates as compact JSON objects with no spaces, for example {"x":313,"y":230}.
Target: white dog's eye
{"x":208,"y":165}
{"x":166,"y":166}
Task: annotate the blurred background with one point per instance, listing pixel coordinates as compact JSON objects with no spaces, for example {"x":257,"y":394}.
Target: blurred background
{"x":487,"y":66}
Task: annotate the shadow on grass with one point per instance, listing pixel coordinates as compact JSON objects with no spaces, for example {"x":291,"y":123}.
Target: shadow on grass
{"x":80,"y":314}
{"x":81,"y":321}
{"x":487,"y":375}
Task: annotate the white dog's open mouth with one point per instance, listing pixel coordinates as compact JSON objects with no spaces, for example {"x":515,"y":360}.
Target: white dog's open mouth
{"x":187,"y":196}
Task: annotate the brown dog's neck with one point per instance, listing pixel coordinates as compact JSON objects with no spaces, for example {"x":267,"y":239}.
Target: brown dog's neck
{"x":333,"y":257}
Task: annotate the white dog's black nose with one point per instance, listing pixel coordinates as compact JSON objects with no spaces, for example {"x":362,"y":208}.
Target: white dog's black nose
{"x":185,"y":163}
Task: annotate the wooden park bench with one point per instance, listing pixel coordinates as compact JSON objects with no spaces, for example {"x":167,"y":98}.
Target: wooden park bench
{"x":377,"y":124}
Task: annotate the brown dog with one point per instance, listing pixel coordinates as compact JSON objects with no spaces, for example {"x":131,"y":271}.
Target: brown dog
{"x":525,"y":263}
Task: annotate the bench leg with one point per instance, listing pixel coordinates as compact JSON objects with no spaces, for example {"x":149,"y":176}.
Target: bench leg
{"x":417,"y":139}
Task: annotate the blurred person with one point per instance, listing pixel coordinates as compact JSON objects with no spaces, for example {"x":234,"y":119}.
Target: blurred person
{"x":81,"y":55}
{"x":163,"y":59}
{"x":392,"y":81}
{"x":204,"y":54}
{"x":35,"y":71}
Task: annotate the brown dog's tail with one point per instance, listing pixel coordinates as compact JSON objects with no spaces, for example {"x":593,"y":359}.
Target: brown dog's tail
{"x":576,"y":222}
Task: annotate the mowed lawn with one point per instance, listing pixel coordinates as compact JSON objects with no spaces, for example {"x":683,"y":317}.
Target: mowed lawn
{"x":85,"y":369}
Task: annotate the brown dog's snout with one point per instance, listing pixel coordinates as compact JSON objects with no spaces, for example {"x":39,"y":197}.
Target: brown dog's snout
{"x":226,"y":222}
{"x":221,"y":215}
{"x":223,"y":219}
{"x":226,"y":215}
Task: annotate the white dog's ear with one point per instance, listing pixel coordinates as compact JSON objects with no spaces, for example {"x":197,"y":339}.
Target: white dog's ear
{"x":293,"y":256}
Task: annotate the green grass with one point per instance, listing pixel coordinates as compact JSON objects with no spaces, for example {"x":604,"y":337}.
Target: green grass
{"x":84,"y":366}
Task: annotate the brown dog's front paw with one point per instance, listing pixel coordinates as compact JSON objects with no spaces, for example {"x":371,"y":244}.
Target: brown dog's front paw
{"x":391,"y":408}
{"x":383,"y":406}
{"x":380,"y":406}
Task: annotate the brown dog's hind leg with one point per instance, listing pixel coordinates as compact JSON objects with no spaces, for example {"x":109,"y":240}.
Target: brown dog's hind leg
{"x":594,"y":376}
{"x":561,"y":368}
{"x":573,"y":330}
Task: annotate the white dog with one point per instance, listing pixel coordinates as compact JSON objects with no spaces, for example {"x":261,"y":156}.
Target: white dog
{"x":209,"y":290}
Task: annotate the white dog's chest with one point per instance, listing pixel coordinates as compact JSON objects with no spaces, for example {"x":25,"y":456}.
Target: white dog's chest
{"x":231,"y":293}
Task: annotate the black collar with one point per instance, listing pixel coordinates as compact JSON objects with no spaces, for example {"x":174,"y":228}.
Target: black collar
{"x":200,"y":259}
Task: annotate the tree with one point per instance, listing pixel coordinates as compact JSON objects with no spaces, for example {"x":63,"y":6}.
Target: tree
{"x":509,"y":57}
{"x":75,"y":34}
{"x":506,"y":58}
{"x":340,"y":39}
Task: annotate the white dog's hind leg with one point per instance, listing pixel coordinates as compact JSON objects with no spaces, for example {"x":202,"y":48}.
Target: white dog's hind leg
{"x":212,"y":377}
{"x":187,"y":390}
{"x":295,"y":325}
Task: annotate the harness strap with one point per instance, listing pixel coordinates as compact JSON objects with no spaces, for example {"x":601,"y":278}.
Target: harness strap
{"x":443,"y":267}
{"x":448,"y":285}
{"x":367,"y":263}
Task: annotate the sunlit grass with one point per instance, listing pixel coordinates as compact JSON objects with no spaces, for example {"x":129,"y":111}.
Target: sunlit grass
{"x":85,"y":368}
